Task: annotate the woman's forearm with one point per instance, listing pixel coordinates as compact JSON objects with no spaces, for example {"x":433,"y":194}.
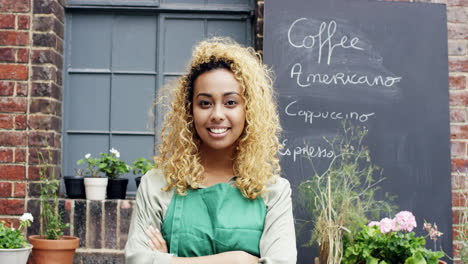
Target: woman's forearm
{"x":232,"y":257}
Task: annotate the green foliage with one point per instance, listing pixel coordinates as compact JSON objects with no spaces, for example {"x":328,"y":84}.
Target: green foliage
{"x":13,"y":238}
{"x":91,"y":167}
{"x":339,"y":199}
{"x":111,"y":165}
{"x":141,"y":166}
{"x":462,"y":228}
{"x":369,"y":245}
{"x":52,"y":225}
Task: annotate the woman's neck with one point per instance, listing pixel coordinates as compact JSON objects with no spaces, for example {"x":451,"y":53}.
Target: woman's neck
{"x":217,"y":166}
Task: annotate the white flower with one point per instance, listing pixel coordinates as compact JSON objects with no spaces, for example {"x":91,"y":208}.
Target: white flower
{"x":27,"y":217}
{"x":87,"y":156}
{"x":115,"y":152}
{"x":12,"y":229}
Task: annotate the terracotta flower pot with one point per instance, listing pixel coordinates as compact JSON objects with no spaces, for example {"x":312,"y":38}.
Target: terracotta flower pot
{"x":46,"y":251}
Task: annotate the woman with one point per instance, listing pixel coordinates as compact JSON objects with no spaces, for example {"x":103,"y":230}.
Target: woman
{"x":216,"y":195}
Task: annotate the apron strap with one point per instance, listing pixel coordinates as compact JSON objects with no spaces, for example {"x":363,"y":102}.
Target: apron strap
{"x":176,"y":221}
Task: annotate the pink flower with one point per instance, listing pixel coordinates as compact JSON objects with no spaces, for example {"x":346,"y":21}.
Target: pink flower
{"x":405,"y":221}
{"x":386,"y":225}
{"x":373,"y":223}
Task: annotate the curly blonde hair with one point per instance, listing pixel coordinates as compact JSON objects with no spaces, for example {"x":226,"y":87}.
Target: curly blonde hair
{"x":256,"y":156}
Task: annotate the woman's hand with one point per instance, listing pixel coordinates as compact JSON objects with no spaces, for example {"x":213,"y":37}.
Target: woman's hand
{"x":156,"y":240}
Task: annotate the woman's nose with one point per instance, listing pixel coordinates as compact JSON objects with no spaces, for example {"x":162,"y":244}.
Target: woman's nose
{"x":218,"y":113}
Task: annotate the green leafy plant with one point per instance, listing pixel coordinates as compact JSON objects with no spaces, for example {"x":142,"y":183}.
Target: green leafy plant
{"x":391,"y":241}
{"x":461,"y":230}
{"x":14,"y":238}
{"x":91,"y":167}
{"x":111,"y":165}
{"x":339,"y":199}
{"x":52,"y":225}
{"x":141,"y":166}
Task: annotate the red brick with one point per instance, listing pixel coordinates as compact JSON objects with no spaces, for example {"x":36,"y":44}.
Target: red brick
{"x":6,"y":88}
{"x":458,"y":98}
{"x":459,"y":181}
{"x":456,"y":216}
{"x":20,"y":155}
{"x":44,"y":122}
{"x":456,"y":47}
{"x":12,"y":138}
{"x":13,"y":72}
{"x":457,"y":2}
{"x":457,"y":82}
{"x":458,"y":64}
{"x":24,"y":22}
{"x":459,"y":199}
{"x":6,"y":155}
{"x":22,"y":88}
{"x":7,"y":55}
{"x":14,"y":5}
{"x":44,"y":73}
{"x":6,"y":121}
{"x":459,"y":131}
{"x":14,"y":38}
{"x":459,"y":165}
{"x":41,"y":139}
{"x":458,"y":148}
{"x":35,"y":158}
{"x":23,"y":55}
{"x":457,"y":115}
{"x":11,"y":207}
{"x":20,"y":122}
{"x":11,"y":221}
{"x":457,"y":31}
{"x":19,"y":189}
{"x":7,"y":21}
{"x":5,"y":189}
{"x":12,"y":172}
{"x":9,"y":105}
{"x":456,"y":15}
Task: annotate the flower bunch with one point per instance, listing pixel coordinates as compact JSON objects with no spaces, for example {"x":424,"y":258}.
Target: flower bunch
{"x":391,"y":241}
{"x":432,"y":230}
{"x":13,"y":238}
{"x":111,"y":165}
{"x":403,"y":221}
{"x":91,"y":167}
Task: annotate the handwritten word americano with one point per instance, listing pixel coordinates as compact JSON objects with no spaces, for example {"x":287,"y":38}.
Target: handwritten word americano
{"x":309,"y":116}
{"x":340,"y":78}
{"x":306,"y":151}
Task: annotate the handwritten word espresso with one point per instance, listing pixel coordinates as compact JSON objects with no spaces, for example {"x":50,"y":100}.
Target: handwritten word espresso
{"x":309,"y":116}
{"x":340,"y":78}
{"x":306,"y":151}
{"x":322,"y":39}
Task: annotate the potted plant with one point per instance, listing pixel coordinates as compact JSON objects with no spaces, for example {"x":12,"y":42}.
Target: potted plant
{"x":113,"y":167}
{"x":14,"y":249}
{"x":140,"y":167}
{"x":51,"y":246}
{"x":339,"y":199}
{"x":391,"y":241}
{"x":74,"y":185}
{"x":95,"y":186}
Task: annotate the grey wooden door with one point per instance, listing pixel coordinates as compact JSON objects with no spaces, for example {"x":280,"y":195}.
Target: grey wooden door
{"x":116,"y":59}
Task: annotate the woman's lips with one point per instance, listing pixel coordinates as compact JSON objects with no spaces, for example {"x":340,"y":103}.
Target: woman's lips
{"x":218,"y":132}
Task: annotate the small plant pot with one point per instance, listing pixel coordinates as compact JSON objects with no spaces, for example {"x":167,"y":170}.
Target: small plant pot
{"x":138,"y":180}
{"x":117,"y":188}
{"x":95,"y":188}
{"x":15,"y":255}
{"x":74,"y":185}
{"x":61,"y":251}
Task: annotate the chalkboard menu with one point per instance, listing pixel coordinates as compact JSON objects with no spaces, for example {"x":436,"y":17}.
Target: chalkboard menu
{"x":382,"y":65}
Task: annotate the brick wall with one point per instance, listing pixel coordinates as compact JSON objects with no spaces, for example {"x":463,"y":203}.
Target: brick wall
{"x":31,"y":64}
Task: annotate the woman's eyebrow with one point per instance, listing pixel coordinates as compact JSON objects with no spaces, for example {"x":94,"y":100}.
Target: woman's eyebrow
{"x":225,"y":94}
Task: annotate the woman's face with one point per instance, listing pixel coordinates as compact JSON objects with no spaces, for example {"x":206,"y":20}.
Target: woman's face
{"x":218,"y":110}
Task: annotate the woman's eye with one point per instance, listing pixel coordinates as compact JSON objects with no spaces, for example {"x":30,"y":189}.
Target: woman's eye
{"x":204,"y":103}
{"x":231,"y":102}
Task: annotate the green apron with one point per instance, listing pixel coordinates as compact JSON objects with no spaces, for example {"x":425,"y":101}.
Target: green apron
{"x":213,"y":220}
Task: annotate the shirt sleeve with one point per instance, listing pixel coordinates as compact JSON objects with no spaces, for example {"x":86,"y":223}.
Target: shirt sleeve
{"x":150,"y":207}
{"x":278,"y":241}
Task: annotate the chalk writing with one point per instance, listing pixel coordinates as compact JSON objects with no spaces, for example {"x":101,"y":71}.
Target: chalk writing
{"x":340,"y":78}
{"x":306,"y":151}
{"x":322,"y":39}
{"x":309,"y":116}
